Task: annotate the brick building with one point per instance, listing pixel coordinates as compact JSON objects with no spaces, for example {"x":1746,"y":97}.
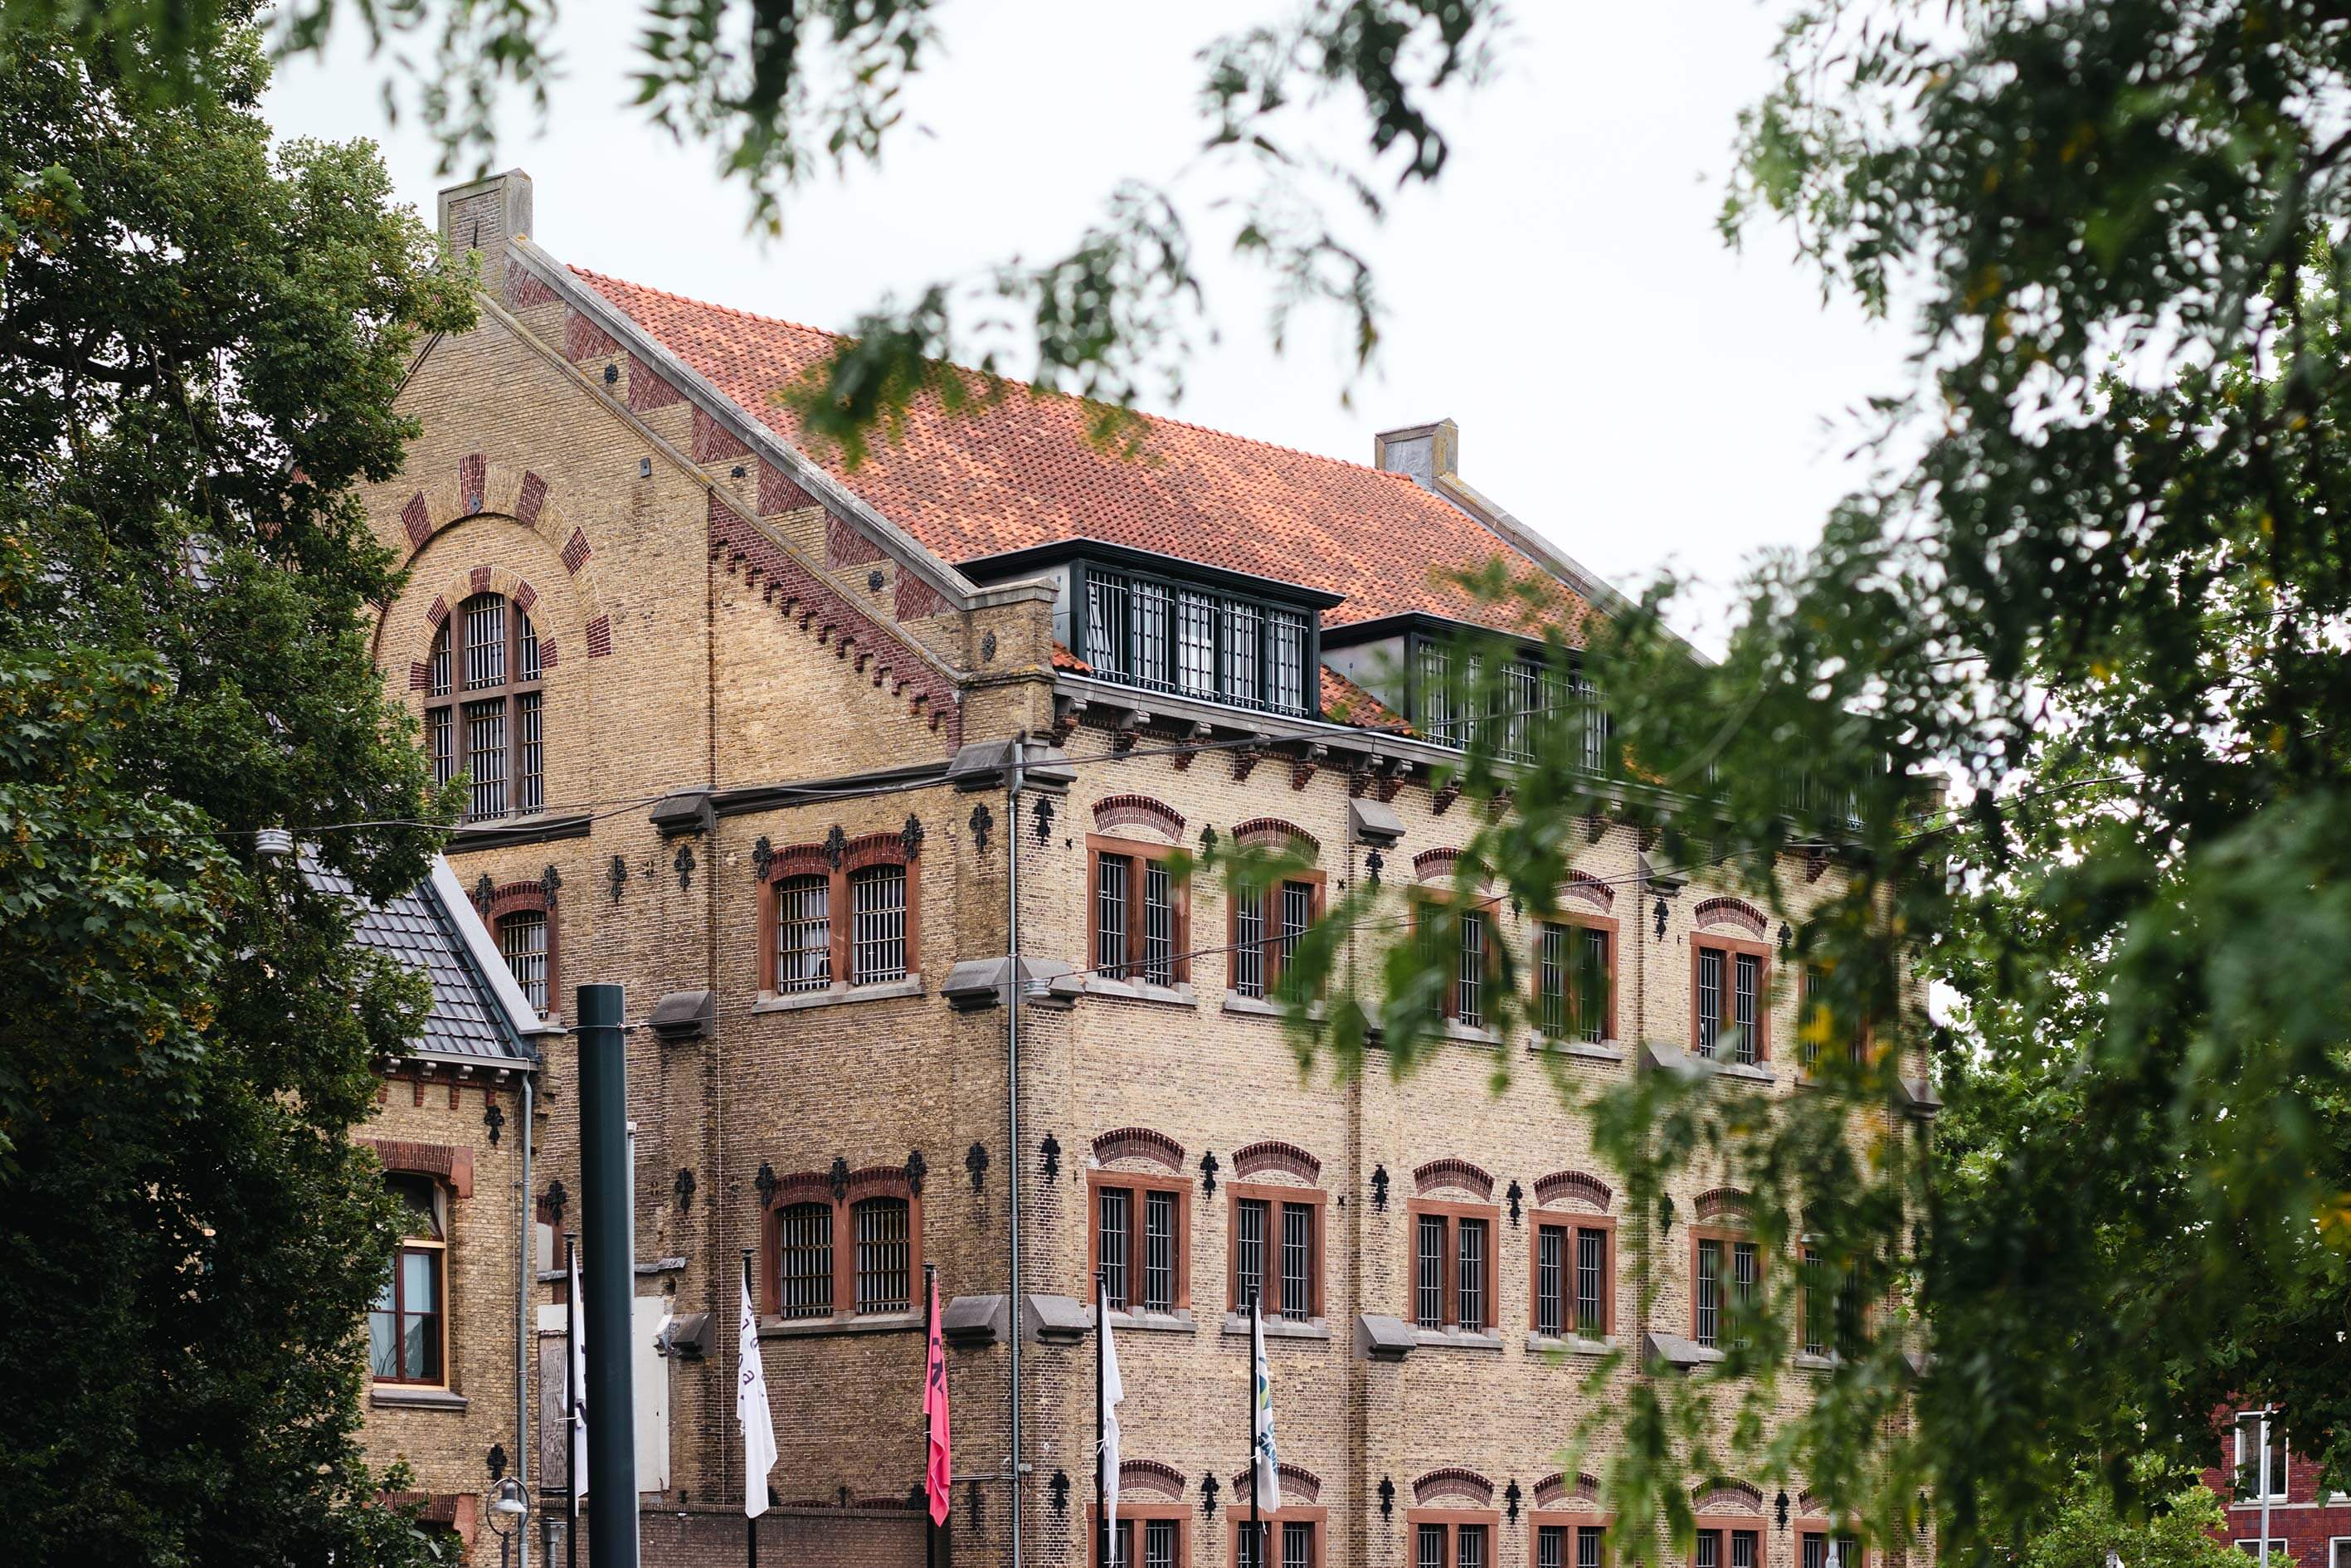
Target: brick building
{"x":2309,"y":1526}
{"x":862,"y":783}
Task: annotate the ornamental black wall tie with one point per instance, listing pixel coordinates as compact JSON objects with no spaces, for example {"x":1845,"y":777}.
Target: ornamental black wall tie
{"x":917,"y":1168}
{"x":1380,"y":1189}
{"x":763,"y":858}
{"x":982,"y":820}
{"x":910,"y":837}
{"x":684,"y":1189}
{"x":766,"y":1184}
{"x":1209,"y":1174}
{"x":683,"y":866}
{"x":494,"y":1119}
{"x":838,"y":1176}
{"x":1044,"y":819}
{"x":1051,"y":1151}
{"x":616,"y":874}
{"x":976,"y":1162}
{"x":836,"y":846}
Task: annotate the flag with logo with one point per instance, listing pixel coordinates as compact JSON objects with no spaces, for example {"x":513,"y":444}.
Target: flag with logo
{"x":578,"y":1391}
{"x":939,"y":1473}
{"x":1265,"y":1462}
{"x":1112,"y":1391}
{"x":751,"y":1410}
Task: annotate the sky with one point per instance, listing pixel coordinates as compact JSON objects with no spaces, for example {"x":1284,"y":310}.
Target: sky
{"x":1625,"y":383}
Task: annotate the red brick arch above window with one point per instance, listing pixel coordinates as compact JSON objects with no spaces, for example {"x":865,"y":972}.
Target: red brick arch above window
{"x":1723,"y":1203}
{"x":1459,"y":1175}
{"x":1274,"y":1155}
{"x":1299,"y":1485}
{"x":478,"y":487}
{"x":1435,"y":865}
{"x":1150,"y":1479}
{"x":1727,"y":1497}
{"x":1122,"y":811}
{"x":1735,"y":912}
{"x":1578,"y":1189}
{"x":511,"y":897}
{"x":443,"y":1162}
{"x":1276,"y":836}
{"x":1587,"y":889}
{"x":1561,"y":1489}
{"x":1453,"y":1485}
{"x":518,"y":591}
{"x":1139,"y":1144}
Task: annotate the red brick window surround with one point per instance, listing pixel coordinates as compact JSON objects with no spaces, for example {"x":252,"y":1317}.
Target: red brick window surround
{"x":1451,"y":1280}
{"x":521,"y":916}
{"x":1292,"y":1536}
{"x":1730,"y":999}
{"x":1274,"y":1250}
{"x":1452,"y":1537}
{"x":408,"y":1325}
{"x":1566,"y":1528}
{"x":841,"y":916}
{"x":1726,"y":1285}
{"x":1138,"y":919}
{"x":1576,"y":978}
{"x":1475,"y":937}
{"x":1139,"y":1237}
{"x":482,"y":708}
{"x":843,"y":1246}
{"x":1572,"y":1274}
{"x":1727,"y":1541}
{"x":1818,"y":1026}
{"x":1813,"y":1531}
{"x":1264,"y":928}
{"x":1154,"y":1522}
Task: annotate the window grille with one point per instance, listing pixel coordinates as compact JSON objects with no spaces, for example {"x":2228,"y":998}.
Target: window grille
{"x":1248,"y":1260}
{"x":1159,"y":1544}
{"x":1742,"y":1282}
{"x":1297,"y":1544}
{"x":1709,"y":999}
{"x":1286,"y":679}
{"x":804,"y":1258}
{"x":530,"y":780}
{"x":495,"y":734}
{"x":1110,"y":915}
{"x":1590,"y":1282}
{"x":877,"y":948}
{"x":1297,"y":914}
{"x":1106,"y":622}
{"x":1815,"y":1341}
{"x":1159,"y":1252}
{"x":1249,"y":946}
{"x":486,"y":641}
{"x":1472,"y":1281}
{"x":1593,"y":716}
{"x":1747,"y":980}
{"x":1470,"y":1546}
{"x":1742,"y":1549}
{"x":525,"y":647}
{"x":1158,"y":925}
{"x":1710,"y":1549}
{"x":1816,"y":1550}
{"x":1195,"y":644}
{"x":1469,"y":998}
{"x":1297,"y":1261}
{"x":1439,"y":702}
{"x":1848,"y":1341}
{"x":1110,"y":1246}
{"x":882,"y":1255}
{"x":1589,"y":1539}
{"x":437,"y":666}
{"x":1430,"y":1550}
{"x":1592,"y":985}
{"x":485,"y":757}
{"x":1551,"y":1546}
{"x":1522,"y":706}
{"x":1709,"y":1292}
{"x":1148,"y":661}
{"x":1244,"y":645}
{"x":1551,"y":1251}
{"x":522,"y":942}
{"x":803,"y":934}
{"x":1550,"y":979}
{"x":1428,"y":1279}
{"x":441,"y":725}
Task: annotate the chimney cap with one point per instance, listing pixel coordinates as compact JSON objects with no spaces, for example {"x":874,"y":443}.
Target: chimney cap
{"x":1423,"y":453}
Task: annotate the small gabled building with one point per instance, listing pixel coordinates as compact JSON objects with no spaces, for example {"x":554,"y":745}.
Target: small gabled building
{"x":869,"y":784}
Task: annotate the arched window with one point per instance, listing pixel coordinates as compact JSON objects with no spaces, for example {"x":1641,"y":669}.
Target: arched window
{"x":844,"y":1245}
{"x":482,"y":711}
{"x":803,"y":934}
{"x":804,"y":1258}
{"x":884,"y":1281}
{"x":522,"y":940}
{"x":877,"y":947}
{"x":404,"y":1326}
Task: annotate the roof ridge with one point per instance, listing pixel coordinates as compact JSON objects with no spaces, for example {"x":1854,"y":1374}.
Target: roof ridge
{"x":1028,"y":387}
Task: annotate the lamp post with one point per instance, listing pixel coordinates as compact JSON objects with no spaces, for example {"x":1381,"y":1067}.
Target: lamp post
{"x":508,"y":1507}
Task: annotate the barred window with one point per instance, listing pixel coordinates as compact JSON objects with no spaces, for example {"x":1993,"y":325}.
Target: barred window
{"x":1298,"y":1260}
{"x":1742,"y":1549}
{"x":1148,"y":661}
{"x":1267,"y":929}
{"x":1139,"y":1243}
{"x":1710,"y":1549}
{"x":1286,"y":659}
{"x":883,"y":1282}
{"x":1136,"y":920}
{"x":1550,"y":1281}
{"x":1248,"y":1257}
{"x":1729,"y":1005}
{"x":1472,"y":1277}
{"x":1115,"y":1231}
{"x":1551,"y":1546}
{"x":522,"y":942}
{"x":1469,"y":982}
{"x":1297,"y":914}
{"x":1159,"y":1539}
{"x":1592,"y":715}
{"x":1113,"y":875}
{"x":803,"y":934}
{"x":1158,"y":924}
{"x":1297,"y":1544}
{"x":1747,"y":980}
{"x":1106,"y":647}
{"x":1709,"y":999}
{"x":1707,"y":1294}
{"x":1572,"y":982}
{"x":1743,"y":1275}
{"x":1429,"y":1548}
{"x":1589,"y":1541}
{"x":1195,"y":644}
{"x":1159,"y":1252}
{"x":1470,"y":1546}
{"x":1592,"y":1281}
{"x":1248,"y":946}
{"x":1428,"y":1273}
{"x":491,"y":725}
{"x":878,"y":943}
{"x":804,"y":1255}
{"x":1244,"y":635}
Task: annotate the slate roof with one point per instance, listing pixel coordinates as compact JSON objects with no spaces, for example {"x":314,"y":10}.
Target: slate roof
{"x":1023,"y":473}
{"x":469,"y":1021}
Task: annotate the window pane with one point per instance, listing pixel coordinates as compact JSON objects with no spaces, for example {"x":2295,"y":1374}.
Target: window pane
{"x":877,"y":948}
{"x":1551,"y":1546}
{"x":437,"y":664}
{"x":1523,"y":703}
{"x":1709,"y":999}
{"x":1428,"y":1273}
{"x":882,"y":1256}
{"x":1594,"y":718}
{"x":440,"y":738}
{"x":1708,"y":1292}
{"x":804,"y":1249}
{"x":486,"y":759}
{"x":1147,"y":637}
{"x":1592,"y":985}
{"x":1431,"y":1548}
{"x":1710,"y":1549}
{"x":1816,"y":1550}
{"x":1742,"y":1282}
{"x":1470,"y":1546}
{"x":1742,"y":1549}
{"x":1110,"y":915}
{"x":420,"y":1204}
{"x":1248,"y":946}
{"x":1297,"y":914}
{"x":383,"y":1341}
{"x":1159,"y":1539}
{"x":1550,"y":980}
{"x":522,"y":942}
{"x":1249,"y":1258}
{"x":1158,"y":925}
{"x":1196,"y":643}
{"x":1473,"y":1272}
{"x":1244,"y":641}
{"x":530,"y":780}
{"x":1159,"y":1252}
{"x":803,"y":934}
{"x":1814,"y":1333}
{"x":526,"y":648}
{"x":1469,"y":1004}
{"x":1590,"y":1282}
{"x":1106,"y":622}
{"x":1550,"y":1250}
{"x":1286,"y":688}
{"x":1296,"y":1259}
{"x":1588,"y":1541}
{"x":1748,"y":973}
{"x":486,"y":641}
{"x":1111,"y":1242}
{"x":1297,"y":1544}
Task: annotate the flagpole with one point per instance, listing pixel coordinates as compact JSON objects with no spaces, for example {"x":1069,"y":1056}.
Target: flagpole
{"x":1257,"y":1530}
{"x":930,"y":1427}
{"x":1101,"y":1456}
{"x":750,"y":1525}
{"x":570,"y":1406}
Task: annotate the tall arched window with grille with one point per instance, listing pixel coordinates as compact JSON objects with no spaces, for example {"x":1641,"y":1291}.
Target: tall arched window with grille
{"x":482,"y":713}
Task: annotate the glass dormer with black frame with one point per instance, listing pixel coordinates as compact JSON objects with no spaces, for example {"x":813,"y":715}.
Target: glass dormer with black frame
{"x":1181,"y":628}
{"x":1456,"y":684}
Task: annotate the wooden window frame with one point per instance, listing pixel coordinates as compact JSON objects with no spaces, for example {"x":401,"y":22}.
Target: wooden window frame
{"x":507,"y":693}
{"x":1139,"y":1511}
{"x":1485,"y":907}
{"x":445,"y":1199}
{"x":1572,"y":920}
{"x":1723,"y":1524}
{"x":1570,"y":1220}
{"x":813,"y":1186}
{"x":1818,"y":1524}
{"x":1453,"y":1519}
{"x":1269,"y":946}
{"x":1313,"y":1198}
{"x":811,"y":860}
{"x":1732,"y":1237}
{"x":1570,"y":1520}
{"x":1179,"y":894}
{"x":1236,"y":1520}
{"x":1732,"y":948}
{"x":1138,"y":1183}
{"x":1453,"y":1213}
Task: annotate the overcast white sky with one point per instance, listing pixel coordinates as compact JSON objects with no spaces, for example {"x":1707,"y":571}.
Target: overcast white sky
{"x":1622,"y":380}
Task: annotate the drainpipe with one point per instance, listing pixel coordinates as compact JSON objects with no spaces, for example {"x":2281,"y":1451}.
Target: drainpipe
{"x":1013,"y":986}
{"x":526,"y":1272}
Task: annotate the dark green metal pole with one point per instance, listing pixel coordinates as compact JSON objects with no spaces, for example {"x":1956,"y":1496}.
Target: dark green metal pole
{"x":609,"y":1213}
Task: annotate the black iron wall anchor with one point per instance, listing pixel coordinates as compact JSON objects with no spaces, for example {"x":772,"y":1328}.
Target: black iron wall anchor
{"x":982,"y":820}
{"x":1061,"y":1485}
{"x":976,"y":1162}
{"x":494,"y":1120}
{"x":617,"y":874}
{"x":1516,"y":1196}
{"x":1380,"y":1189}
{"x":1387,"y":1498}
{"x":1208,"y":1490}
{"x":1209,"y":1169}
{"x":766,"y":1183}
{"x":1510,"y":1499}
{"x":684,"y":865}
{"x":684,"y":1187}
{"x":1051,"y":1149}
{"x":1044,"y":815}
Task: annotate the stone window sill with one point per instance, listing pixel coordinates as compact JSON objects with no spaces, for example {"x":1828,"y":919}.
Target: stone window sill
{"x":836,"y":995}
{"x":1573,"y":1345}
{"x":1468,"y":1036}
{"x":1279,"y":1328}
{"x":1155,"y":1322}
{"x":1588,"y":1051}
{"x":1176,"y":995}
{"x":1756,"y":1073}
{"x":862,"y":1322}
{"x":396,"y":1396}
{"x":1260,"y":1007}
{"x":1455,"y":1339}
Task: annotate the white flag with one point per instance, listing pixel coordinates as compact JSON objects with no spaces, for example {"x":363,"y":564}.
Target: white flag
{"x":579,"y":1388}
{"x":751,"y":1410}
{"x":1265,"y":1462}
{"x":1112,"y":1391}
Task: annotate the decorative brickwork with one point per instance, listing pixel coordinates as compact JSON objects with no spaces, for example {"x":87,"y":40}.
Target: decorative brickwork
{"x":1582,"y":887}
{"x":583,"y":339}
{"x":473,"y":473}
{"x":1435,"y":865}
{"x":531,"y":498}
{"x":1270,"y":1156}
{"x":1276,"y":836}
{"x":417,"y":519}
{"x":845,"y":545}
{"x":1140,"y":1144}
{"x":1572,"y":1189}
{"x":1559,"y":1490}
{"x":648,"y":388}
{"x":1458,"y":1175}
{"x":916,"y":600}
{"x":1723,"y":1203}
{"x":1727,"y":1497}
{"x":1735,"y":912}
{"x":575,"y":551}
{"x":447,"y":1163}
{"x":778,"y":494}
{"x":1119,"y":811}
{"x":713,"y":442}
{"x":524,"y":290}
{"x":599,"y":637}
{"x":1149,"y":1478}
{"x":1466,"y":1488}
{"x":1299,"y":1485}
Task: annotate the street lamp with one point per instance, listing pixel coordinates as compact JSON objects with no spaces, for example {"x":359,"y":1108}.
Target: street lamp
{"x":509,"y":1504}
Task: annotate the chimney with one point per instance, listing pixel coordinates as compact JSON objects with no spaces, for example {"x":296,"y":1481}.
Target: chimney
{"x":1426,"y":453}
{"x":482,"y":216}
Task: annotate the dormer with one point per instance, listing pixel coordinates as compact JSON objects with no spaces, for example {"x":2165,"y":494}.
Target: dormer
{"x":1415,"y":663}
{"x":1163,"y":623}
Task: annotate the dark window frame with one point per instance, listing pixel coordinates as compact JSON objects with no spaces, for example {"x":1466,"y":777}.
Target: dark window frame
{"x":1730,"y":1238}
{"x":1170,"y":590}
{"x":1272,"y":941}
{"x":1450,"y":1520}
{"x":446,"y":650}
{"x":441,"y":1202}
{"x":1237,"y":1521}
{"x":1275,"y":1196}
{"x":1573,"y":1518}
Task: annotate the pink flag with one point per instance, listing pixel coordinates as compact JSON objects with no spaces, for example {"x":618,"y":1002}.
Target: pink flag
{"x":941,"y":1474}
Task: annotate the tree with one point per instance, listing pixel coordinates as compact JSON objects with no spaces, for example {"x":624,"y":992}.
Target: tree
{"x":199,"y":345}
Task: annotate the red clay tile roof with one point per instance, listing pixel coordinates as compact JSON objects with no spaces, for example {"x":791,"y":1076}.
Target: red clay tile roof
{"x":1024,"y":473}
{"x":1344,"y":702}
{"x":1065,"y":660}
